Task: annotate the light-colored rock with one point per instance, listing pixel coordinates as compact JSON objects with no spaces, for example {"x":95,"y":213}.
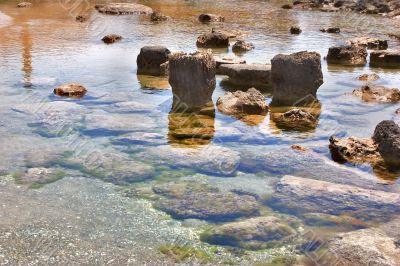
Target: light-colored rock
{"x":368,"y":77}
{"x":213,"y":40}
{"x":24,"y":5}
{"x":192,"y":78}
{"x":247,"y":75}
{"x":371,"y":93}
{"x":347,"y":55}
{"x":70,"y":90}
{"x":123,"y":9}
{"x":385,"y":58}
{"x":370,"y":43}
{"x":37,"y":177}
{"x":140,"y":138}
{"x":151,"y":60}
{"x":111,"y":38}
{"x":309,"y":195}
{"x":239,"y":102}
{"x":295,"y":119}
{"x":296,"y":78}
{"x":227,"y":61}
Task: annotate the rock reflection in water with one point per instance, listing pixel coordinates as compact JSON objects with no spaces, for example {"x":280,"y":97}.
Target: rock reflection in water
{"x":153,"y":83}
{"x":191,"y":129}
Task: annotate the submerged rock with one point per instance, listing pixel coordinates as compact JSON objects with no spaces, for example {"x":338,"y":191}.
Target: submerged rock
{"x":295,"y":30}
{"x":187,"y":201}
{"x":255,"y":233}
{"x":374,"y":246}
{"x":157,"y":16}
{"x":370,"y":43}
{"x":123,"y":9}
{"x":211,"y":159}
{"x":111,"y":38}
{"x":192,"y":78}
{"x":296,"y":194}
{"x":230,"y":33}
{"x":296,"y":78}
{"x":347,"y":55}
{"x":213,"y":40}
{"x":226,"y":61}
{"x":140,"y":138}
{"x":24,"y":4}
{"x":368,"y":77}
{"x":37,"y":177}
{"x":381,"y":94}
{"x":242,"y":46}
{"x":387,"y":137}
{"x":206,"y":18}
{"x":354,"y":150}
{"x":70,"y":90}
{"x":250,"y":102}
{"x":151,"y":60}
{"x":385,"y":58}
{"x":330,"y":30}
{"x":296,"y":119}
{"x":247,"y":75}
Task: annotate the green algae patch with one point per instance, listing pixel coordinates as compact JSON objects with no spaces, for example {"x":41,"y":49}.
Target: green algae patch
{"x":38,"y":177}
{"x":182,"y":253}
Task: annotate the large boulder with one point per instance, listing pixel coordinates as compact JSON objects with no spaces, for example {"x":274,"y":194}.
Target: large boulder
{"x":123,"y":9}
{"x":247,"y":75}
{"x":296,"y":78}
{"x":387,"y":137}
{"x":152,"y":60}
{"x":296,"y":194}
{"x":187,"y":200}
{"x":370,"y":43}
{"x":213,"y":40}
{"x":347,"y":55}
{"x":385,"y":58}
{"x":253,"y":234}
{"x":192,"y":78}
{"x":206,"y":18}
{"x":370,"y":93}
{"x":250,"y":102}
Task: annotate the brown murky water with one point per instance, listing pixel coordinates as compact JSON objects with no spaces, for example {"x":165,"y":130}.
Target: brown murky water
{"x":83,"y":220}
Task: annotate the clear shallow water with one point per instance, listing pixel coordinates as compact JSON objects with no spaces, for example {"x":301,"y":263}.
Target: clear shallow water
{"x":46,"y":47}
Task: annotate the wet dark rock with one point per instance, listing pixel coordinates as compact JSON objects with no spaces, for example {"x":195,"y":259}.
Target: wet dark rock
{"x":397,"y":112}
{"x":213,"y":40}
{"x":296,"y":78}
{"x":330,"y":30}
{"x":370,"y":43}
{"x":287,"y":6}
{"x":296,"y":119}
{"x":124,"y":9}
{"x":253,"y":234}
{"x":368,"y":77}
{"x":296,"y":194}
{"x":347,"y":55}
{"x":157,"y":16}
{"x":371,"y":93}
{"x":247,"y":75}
{"x":188,"y":200}
{"x":192,"y":78}
{"x":242,"y":46}
{"x":374,"y":246}
{"x":385,"y":58}
{"x":82,"y":17}
{"x":239,"y":102}
{"x":111,"y":38}
{"x":70,"y":90}
{"x":387,"y":137}
{"x":207,"y":18}
{"x":24,"y":5}
{"x":152,"y":61}
{"x":295,"y":30}
{"x":354,"y":150}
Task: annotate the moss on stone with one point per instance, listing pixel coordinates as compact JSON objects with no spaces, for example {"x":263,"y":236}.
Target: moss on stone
{"x":182,"y":253}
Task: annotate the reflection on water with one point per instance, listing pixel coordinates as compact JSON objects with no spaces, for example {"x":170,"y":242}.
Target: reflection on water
{"x":27,"y":57}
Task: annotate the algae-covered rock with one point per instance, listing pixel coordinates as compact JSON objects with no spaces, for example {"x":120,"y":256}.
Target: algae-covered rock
{"x":37,"y":177}
{"x":253,"y":234}
{"x":186,"y":201}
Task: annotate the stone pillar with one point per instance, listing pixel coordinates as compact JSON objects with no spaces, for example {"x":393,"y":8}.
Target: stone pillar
{"x":296,"y":78}
{"x":192,"y":78}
